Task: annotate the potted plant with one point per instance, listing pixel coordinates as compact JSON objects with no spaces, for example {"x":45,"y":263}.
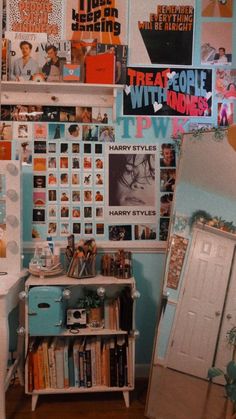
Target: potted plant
{"x":95,"y":308}
{"x":229,"y":374}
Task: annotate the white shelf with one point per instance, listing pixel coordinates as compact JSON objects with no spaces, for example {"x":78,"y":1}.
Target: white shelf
{"x":66,"y":280}
{"x":91,"y":332}
{"x":60,"y":94}
{"x":93,"y":389}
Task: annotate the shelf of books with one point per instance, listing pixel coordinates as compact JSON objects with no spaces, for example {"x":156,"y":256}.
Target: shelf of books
{"x":71,"y":353}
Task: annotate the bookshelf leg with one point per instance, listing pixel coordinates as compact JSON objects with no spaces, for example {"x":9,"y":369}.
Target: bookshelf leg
{"x":34,"y":401}
{"x":126,"y":398}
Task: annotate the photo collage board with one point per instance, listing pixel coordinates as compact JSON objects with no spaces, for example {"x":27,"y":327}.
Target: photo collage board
{"x":189,"y":76}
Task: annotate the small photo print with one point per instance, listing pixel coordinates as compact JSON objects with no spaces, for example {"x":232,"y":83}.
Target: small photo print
{"x":39,"y":215}
{"x":106,"y":134}
{"x":52,"y":228}
{"x":52,"y":147}
{"x":99,"y":212}
{"x":100,"y":229}
{"x":167,"y":155}
{"x":64,"y":179}
{"x":52,"y":195}
{"x":75,"y":148}
{"x":88,"y":212}
{"x":167,"y":180}
{"x":102,"y":115}
{"x":221,"y":8}
{"x":64,"y":163}
{"x":5,"y":131}
{"x":99,"y":197}
{"x":38,"y":231}
{"x":216,"y":43}
{"x":87,"y":148}
{"x":87,"y":163}
{"x":164,"y":226}
{"x":88,"y":228}
{"x":64,"y":148}
{"x":88,"y":196}
{"x":75,"y":163}
{"x":75,"y":179}
{"x":225,"y":84}
{"x":84,"y":114}
{"x":65,"y":212}
{"x":5,"y":150}
{"x":76,"y":212}
{"x":76,"y":228}
{"x":52,"y":162}
{"x":99,"y":163}
{"x":40,"y":147}
{"x":39,"y":164}
{"x":75,"y":196}
{"x":52,"y":211}
{"x":99,"y":179}
{"x":98,"y":148}
{"x":120,"y":232}
{"x":165,"y":204}
{"x":64,"y":196}
{"x":67,"y":114}
{"x":39,"y":181}
{"x":39,"y":198}
{"x":90,"y":133}
{"x":225,"y":114}
{"x":64,"y":229}
{"x":24,"y":152}
{"x":145,"y":232}
{"x":22,"y":131}
{"x":51,"y":113}
{"x":87,"y":179}
{"x":40,"y":130}
{"x":73,"y":132}
{"x":56,"y":131}
{"x":52,"y":178}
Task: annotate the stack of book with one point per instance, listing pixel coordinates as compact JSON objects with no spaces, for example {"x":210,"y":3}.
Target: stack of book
{"x":56,"y":362}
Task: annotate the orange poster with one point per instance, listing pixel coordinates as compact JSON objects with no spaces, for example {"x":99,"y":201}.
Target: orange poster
{"x":104,"y":20}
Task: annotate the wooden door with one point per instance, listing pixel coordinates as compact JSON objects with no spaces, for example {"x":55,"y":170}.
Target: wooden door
{"x":199,"y":312}
{"x":224,"y":350}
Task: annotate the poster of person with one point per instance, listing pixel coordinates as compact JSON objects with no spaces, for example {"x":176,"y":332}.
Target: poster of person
{"x":120,"y":232}
{"x":216,"y":43}
{"x":225,"y":114}
{"x":217,"y":8}
{"x":5,"y":131}
{"x":22,"y":16}
{"x":132,"y":186}
{"x":225,"y":83}
{"x":168,"y":92}
{"x":145,"y":232}
{"x":106,"y":20}
{"x":162,"y":33}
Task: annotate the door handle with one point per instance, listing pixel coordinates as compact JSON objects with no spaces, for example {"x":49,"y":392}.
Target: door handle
{"x":218,"y":313}
{"x":229,"y":316}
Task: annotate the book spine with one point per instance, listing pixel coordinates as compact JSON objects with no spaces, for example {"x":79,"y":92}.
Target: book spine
{"x":88,"y":367}
{"x":76,"y":362}
{"x":46,"y":363}
{"x":66,"y":366}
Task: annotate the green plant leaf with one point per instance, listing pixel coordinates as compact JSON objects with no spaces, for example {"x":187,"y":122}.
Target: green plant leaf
{"x":231,"y":392}
{"x":214,"y":372}
{"x":231,"y":370}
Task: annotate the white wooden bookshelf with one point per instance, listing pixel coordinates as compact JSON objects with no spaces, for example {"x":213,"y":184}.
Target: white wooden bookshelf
{"x":73,"y":284}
